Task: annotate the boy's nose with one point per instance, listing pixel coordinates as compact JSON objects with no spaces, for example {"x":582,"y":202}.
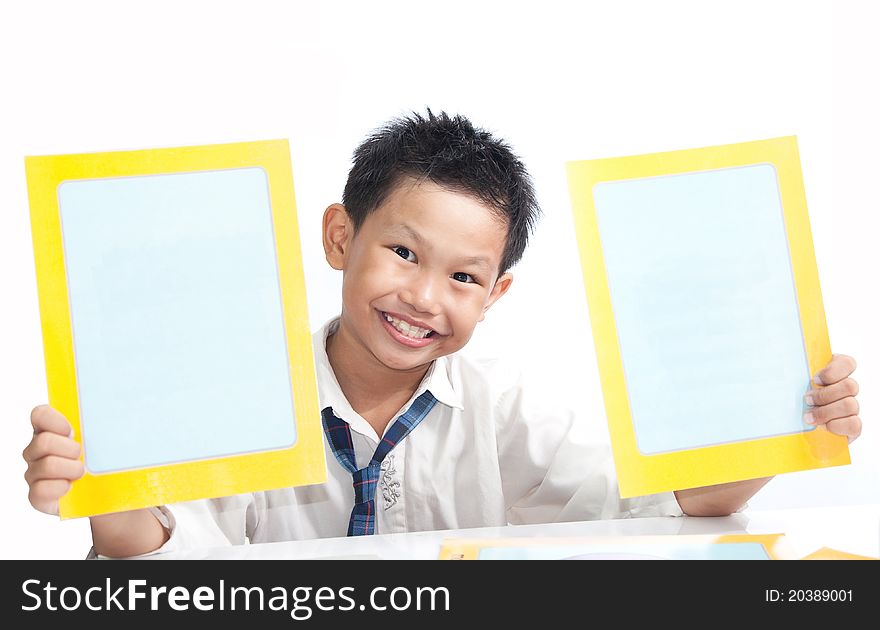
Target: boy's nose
{"x":422,"y":295}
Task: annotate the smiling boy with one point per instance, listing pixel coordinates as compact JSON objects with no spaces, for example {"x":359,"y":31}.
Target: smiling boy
{"x":418,"y":435}
{"x":421,"y":272}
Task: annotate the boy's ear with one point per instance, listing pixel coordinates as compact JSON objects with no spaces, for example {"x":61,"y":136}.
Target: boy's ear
{"x":337,"y":232}
{"x":502,"y":284}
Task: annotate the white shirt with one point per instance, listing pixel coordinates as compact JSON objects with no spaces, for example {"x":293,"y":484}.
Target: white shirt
{"x":491,"y":452}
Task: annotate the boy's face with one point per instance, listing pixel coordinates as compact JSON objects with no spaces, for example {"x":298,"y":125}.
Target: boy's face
{"x":427,"y":256}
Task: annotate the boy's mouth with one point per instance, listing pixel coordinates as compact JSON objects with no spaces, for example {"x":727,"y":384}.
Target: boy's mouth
{"x":408,"y":330}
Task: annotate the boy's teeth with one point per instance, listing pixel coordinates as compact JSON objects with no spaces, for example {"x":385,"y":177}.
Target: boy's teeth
{"x":410,"y":331}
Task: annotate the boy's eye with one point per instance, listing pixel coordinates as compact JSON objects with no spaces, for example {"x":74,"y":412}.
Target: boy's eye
{"x":403,"y":252}
{"x":467,"y":278}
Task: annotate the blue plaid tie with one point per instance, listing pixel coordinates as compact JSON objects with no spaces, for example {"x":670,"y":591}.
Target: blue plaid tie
{"x":365,"y":480}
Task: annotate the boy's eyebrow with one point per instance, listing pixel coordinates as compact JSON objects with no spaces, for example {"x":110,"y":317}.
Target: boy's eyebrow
{"x":405,"y":230}
{"x":478,"y":261}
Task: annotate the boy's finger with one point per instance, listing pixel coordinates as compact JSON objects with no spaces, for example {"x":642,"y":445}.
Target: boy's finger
{"x":838,"y":409}
{"x":837,"y":369}
{"x":44,"y":494}
{"x":850,"y":426}
{"x":53,"y":467}
{"x":48,"y":443}
{"x":45,"y":418}
{"x":832,"y":393}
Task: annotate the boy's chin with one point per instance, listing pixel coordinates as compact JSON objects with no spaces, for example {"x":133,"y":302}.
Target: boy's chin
{"x":399,"y":362}
{"x":404,"y":364}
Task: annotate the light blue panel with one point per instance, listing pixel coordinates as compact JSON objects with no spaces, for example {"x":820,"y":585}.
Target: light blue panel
{"x":177,"y":321}
{"x":635,"y":551}
{"x":705,"y":308}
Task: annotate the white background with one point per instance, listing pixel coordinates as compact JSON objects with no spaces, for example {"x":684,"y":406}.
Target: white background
{"x":559,"y":80}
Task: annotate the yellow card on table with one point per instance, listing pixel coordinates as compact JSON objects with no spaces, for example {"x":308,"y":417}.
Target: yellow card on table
{"x":706,"y":313}
{"x":175,"y":327}
{"x":827,"y":553}
{"x":687,"y":547}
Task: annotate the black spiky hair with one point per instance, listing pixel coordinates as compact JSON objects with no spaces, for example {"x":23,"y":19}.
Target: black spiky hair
{"x":452,"y":153}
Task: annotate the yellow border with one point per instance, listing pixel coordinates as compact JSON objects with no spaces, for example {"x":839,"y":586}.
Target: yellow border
{"x":827,"y":553}
{"x":301,"y":464}
{"x":640,"y":474}
{"x":469,"y":549}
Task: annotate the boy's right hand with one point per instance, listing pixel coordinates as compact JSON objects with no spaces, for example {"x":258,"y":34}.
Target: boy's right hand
{"x":52,"y":458}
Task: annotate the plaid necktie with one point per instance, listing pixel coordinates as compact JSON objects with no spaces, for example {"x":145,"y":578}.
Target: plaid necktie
{"x":365,"y":480}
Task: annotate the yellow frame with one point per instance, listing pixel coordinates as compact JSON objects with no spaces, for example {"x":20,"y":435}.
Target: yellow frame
{"x":640,"y":474}
{"x":827,"y":553}
{"x":469,"y":549}
{"x":300,"y":464}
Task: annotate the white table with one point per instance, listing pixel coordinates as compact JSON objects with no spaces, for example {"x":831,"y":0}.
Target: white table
{"x":854,"y":529}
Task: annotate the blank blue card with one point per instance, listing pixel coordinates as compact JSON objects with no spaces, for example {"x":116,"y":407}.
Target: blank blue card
{"x":177,"y":320}
{"x":705,"y":307}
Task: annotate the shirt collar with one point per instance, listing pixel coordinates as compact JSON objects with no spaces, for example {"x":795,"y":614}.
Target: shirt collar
{"x":330,"y":393}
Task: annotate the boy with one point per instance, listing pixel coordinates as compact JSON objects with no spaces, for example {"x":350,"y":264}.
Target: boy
{"x":418,"y":437}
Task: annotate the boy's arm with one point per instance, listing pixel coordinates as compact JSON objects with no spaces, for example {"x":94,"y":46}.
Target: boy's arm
{"x":832,"y":405}
{"x":126,"y":534}
{"x":53,"y":463}
{"x":720,"y":500}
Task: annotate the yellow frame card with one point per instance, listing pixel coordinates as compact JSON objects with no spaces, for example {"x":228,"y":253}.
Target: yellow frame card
{"x":827,"y":553}
{"x":612,"y":238}
{"x":115,"y":486}
{"x":774,"y":545}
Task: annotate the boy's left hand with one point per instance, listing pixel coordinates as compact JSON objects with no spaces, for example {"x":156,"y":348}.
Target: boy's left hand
{"x":833,"y":398}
